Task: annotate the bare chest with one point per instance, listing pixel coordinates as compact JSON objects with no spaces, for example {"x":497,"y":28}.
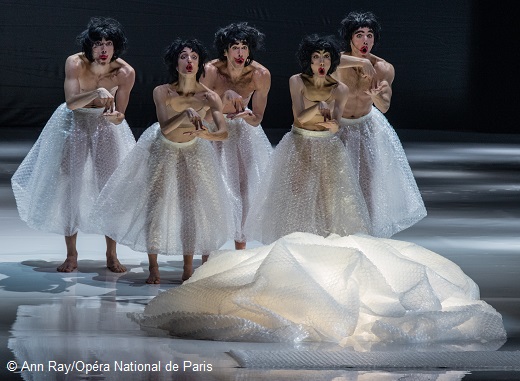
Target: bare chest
{"x":89,"y":82}
{"x":356,"y":83}
{"x":243,"y":86}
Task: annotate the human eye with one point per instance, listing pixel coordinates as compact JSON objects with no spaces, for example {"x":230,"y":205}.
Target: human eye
{"x":97,"y":44}
{"x":109,"y":43}
{"x":194,"y":57}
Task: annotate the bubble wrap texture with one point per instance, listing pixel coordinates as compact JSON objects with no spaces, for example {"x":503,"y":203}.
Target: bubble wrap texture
{"x":310,"y":188}
{"x":305,"y":287}
{"x":59,"y":180}
{"x":387,"y":182}
{"x":243,"y":158}
{"x":166,"y":198}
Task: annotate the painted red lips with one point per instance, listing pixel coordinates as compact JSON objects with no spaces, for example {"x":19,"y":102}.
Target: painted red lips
{"x":189,"y":67}
{"x":239,"y":61}
{"x":321,"y":71}
{"x":364,"y":49}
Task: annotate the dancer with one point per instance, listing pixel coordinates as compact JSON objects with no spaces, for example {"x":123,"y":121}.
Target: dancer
{"x":387,"y":182}
{"x":82,"y":143}
{"x":239,"y":80}
{"x":311,"y":187}
{"x":168,"y":196}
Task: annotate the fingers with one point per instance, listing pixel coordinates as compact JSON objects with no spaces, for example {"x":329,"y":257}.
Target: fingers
{"x":237,"y":103}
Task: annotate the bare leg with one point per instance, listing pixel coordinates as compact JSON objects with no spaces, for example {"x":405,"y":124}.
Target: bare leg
{"x":240,"y":245}
{"x":153,"y":266}
{"x":71,"y":263}
{"x":188,"y":267}
{"x":113,"y":263}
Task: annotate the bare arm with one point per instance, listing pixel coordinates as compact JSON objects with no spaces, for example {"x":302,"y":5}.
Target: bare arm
{"x":262,"y":80}
{"x":160,"y":96}
{"x":215,"y":104}
{"x":340,"y":100}
{"x":300,"y":114}
{"x":125,"y":81}
{"x":381,"y":92}
{"x":347,"y":60}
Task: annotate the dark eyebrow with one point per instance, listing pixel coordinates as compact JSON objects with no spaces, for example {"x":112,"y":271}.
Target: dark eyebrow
{"x":361,"y":31}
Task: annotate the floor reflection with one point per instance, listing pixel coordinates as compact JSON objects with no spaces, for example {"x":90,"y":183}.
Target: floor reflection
{"x":471,"y":191}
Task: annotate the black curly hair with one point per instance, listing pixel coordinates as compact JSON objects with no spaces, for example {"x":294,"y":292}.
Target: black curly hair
{"x":314,"y":43}
{"x":99,"y":28}
{"x":238,"y":32}
{"x":356,"y":20}
{"x":172,"y":52}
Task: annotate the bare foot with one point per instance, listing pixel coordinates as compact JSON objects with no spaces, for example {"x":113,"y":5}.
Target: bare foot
{"x":114,"y":265}
{"x":70,"y":264}
{"x":154,"y":277}
{"x":188,"y":271}
{"x":240,"y":245}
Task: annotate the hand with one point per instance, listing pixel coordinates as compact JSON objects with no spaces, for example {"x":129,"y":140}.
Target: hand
{"x":235,"y":99}
{"x":376,"y":88}
{"x":106,"y":98}
{"x":324,"y":110}
{"x":244,"y":115}
{"x":114,"y":117}
{"x":194,"y":118}
{"x":368,"y":69}
{"x":332,"y":125}
{"x":201,"y":132}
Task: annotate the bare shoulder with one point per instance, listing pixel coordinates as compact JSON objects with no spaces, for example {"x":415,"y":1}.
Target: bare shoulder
{"x":161,"y":92}
{"x":124,"y":67}
{"x":260,"y":71}
{"x":76,"y":61}
{"x":295,"y":81}
{"x":341,"y":89}
{"x":383,"y":68}
{"x":211,"y":67}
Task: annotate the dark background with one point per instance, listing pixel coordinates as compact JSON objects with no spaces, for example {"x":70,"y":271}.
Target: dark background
{"x":454,"y":60}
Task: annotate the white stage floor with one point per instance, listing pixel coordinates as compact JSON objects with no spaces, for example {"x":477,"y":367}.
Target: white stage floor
{"x":47,"y":319}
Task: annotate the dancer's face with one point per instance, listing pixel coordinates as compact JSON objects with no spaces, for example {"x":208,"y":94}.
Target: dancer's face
{"x":237,"y":54}
{"x":362,"y":41}
{"x":320,"y":63}
{"x":103,"y":51}
{"x":188,"y":62}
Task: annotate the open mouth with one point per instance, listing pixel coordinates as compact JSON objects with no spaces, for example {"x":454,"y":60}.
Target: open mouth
{"x":364,"y":49}
{"x":189,"y":67}
{"x":321,"y":71}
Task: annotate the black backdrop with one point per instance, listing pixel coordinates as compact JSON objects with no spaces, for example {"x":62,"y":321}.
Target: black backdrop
{"x":451,"y":73}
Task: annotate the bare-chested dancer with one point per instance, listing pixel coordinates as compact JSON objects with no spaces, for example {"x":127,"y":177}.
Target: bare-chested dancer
{"x":168,"y":197}
{"x":310,"y":185}
{"x":388,"y":185}
{"x":83,"y":142}
{"x":240,"y":80}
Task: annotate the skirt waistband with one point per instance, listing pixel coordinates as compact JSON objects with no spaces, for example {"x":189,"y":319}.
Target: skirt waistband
{"x":177,"y":144}
{"x":314,"y":134}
